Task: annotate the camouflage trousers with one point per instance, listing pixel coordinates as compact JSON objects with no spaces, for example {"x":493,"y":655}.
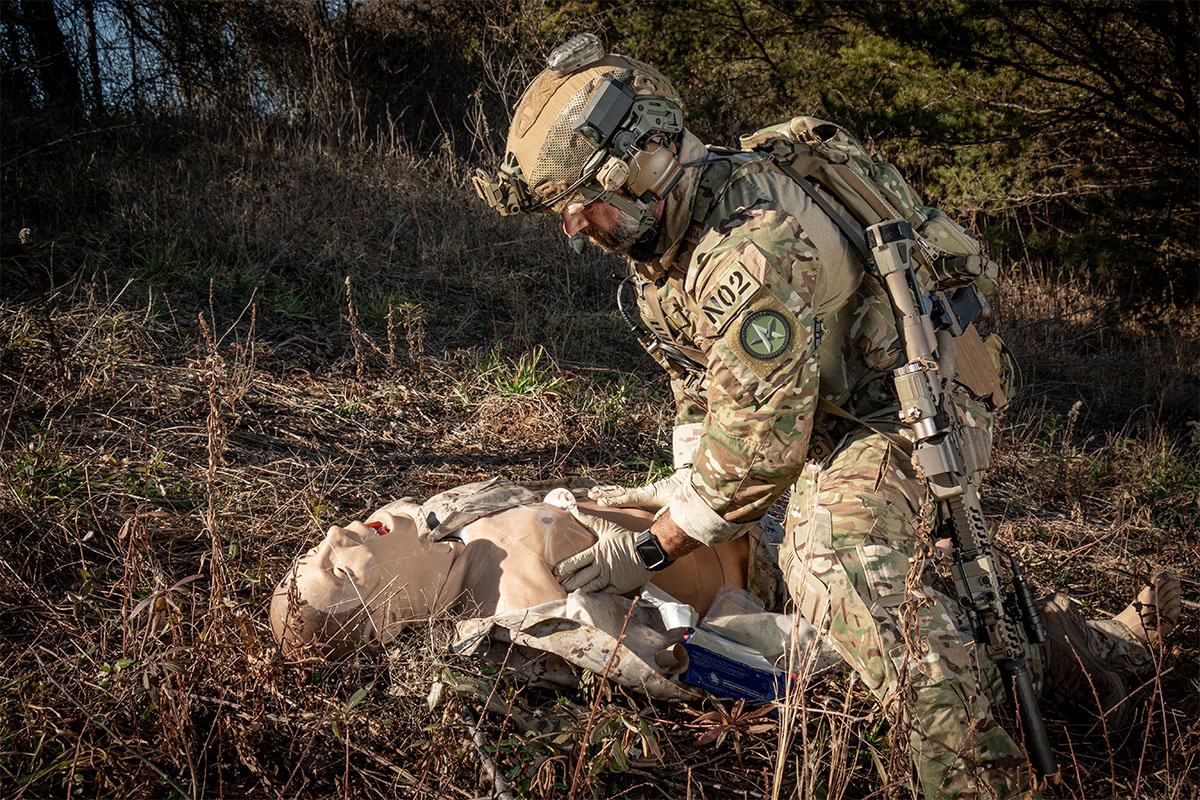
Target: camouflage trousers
{"x":853,"y":558}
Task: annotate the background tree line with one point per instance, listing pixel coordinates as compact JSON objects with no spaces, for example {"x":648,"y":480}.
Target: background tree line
{"x":1068,"y":133}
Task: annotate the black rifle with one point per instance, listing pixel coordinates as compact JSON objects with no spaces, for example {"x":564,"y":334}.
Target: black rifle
{"x":922,"y":386}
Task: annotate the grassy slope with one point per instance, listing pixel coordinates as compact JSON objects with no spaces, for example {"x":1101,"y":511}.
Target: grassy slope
{"x":186,"y":385}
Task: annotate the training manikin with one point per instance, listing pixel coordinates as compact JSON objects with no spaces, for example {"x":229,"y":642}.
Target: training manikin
{"x":366,"y":582}
{"x":494,"y":564}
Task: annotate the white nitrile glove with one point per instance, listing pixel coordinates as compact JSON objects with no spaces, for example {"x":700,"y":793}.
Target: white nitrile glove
{"x":612,"y":564}
{"x":684,"y":441}
{"x":652,"y":496}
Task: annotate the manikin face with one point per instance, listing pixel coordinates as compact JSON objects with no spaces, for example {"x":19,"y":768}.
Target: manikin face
{"x":360,"y":585}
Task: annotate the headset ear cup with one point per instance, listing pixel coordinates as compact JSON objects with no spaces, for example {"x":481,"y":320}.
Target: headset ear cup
{"x":653,"y":170}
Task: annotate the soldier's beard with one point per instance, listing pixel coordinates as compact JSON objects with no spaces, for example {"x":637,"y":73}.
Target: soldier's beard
{"x":646,"y":246}
{"x":621,"y":237}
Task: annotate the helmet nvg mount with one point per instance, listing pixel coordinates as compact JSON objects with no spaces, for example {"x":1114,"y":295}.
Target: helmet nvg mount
{"x":590,"y":126}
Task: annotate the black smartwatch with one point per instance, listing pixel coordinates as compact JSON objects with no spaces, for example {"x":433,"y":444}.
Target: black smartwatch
{"x":651,"y":552}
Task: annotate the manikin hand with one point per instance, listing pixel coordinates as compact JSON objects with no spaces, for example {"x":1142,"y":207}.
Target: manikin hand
{"x":612,"y":564}
{"x":652,"y":496}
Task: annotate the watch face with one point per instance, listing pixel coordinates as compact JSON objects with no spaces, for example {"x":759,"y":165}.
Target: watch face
{"x":651,"y":552}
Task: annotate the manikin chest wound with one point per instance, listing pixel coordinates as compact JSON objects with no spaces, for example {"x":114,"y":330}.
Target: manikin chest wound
{"x":591,"y":125}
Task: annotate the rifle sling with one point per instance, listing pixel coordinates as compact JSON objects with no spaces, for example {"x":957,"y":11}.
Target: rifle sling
{"x":892,"y":437}
{"x":852,"y":231}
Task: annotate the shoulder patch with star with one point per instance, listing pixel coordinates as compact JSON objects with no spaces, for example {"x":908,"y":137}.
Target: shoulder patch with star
{"x":764,"y":334}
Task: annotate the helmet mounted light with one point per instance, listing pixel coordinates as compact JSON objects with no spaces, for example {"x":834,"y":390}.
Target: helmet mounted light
{"x":606,"y":110}
{"x":576,"y":52}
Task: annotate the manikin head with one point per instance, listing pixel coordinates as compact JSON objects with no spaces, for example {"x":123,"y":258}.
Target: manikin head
{"x":361,"y":585}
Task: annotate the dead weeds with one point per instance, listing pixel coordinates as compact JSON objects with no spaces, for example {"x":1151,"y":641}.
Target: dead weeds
{"x":159,"y":474}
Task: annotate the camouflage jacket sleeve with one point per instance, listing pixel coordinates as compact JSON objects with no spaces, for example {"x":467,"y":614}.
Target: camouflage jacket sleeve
{"x":687,"y":409}
{"x":751,"y":283}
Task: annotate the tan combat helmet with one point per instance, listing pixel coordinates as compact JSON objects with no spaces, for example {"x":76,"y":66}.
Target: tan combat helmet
{"x":591,"y":125}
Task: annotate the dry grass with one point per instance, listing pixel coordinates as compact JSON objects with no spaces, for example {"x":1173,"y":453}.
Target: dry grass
{"x":159,"y":473}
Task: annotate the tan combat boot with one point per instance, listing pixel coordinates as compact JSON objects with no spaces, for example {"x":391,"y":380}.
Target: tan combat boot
{"x":1076,"y":677}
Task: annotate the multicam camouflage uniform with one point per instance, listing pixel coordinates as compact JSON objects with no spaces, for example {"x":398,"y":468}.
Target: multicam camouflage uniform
{"x":766,"y":288}
{"x":760,"y":287}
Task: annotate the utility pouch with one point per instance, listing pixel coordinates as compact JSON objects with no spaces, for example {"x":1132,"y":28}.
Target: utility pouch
{"x":976,"y":371}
